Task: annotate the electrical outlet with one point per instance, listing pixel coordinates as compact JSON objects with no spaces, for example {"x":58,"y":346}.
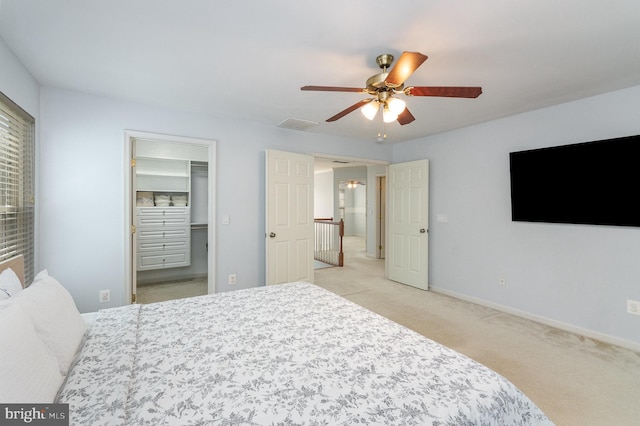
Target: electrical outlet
{"x":232,"y":279}
{"x":633,"y":307}
{"x":105,"y":296}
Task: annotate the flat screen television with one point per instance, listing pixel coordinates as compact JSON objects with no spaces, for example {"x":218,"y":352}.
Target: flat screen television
{"x":586,"y":183}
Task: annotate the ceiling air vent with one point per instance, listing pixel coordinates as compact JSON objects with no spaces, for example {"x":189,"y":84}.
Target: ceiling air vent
{"x":297,"y":124}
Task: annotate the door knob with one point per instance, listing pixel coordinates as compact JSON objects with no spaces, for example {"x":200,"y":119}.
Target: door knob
{"x":422,"y":230}
{"x":272,"y":234}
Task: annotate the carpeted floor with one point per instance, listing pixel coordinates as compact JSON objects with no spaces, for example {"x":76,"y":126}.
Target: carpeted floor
{"x":158,"y":292}
{"x":573,"y":379}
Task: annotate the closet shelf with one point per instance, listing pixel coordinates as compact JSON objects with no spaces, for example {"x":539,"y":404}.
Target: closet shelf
{"x":168,"y":174}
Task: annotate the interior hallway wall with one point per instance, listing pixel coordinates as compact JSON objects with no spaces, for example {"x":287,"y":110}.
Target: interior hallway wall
{"x":323,"y":194}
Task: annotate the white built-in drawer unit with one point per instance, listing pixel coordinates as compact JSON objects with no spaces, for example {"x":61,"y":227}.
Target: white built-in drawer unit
{"x":163,"y":260}
{"x":163,"y":217}
{"x":163,"y":237}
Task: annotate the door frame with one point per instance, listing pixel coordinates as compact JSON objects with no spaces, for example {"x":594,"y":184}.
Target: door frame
{"x":381,"y":215}
{"x":129,"y":220}
{"x":371,"y":191}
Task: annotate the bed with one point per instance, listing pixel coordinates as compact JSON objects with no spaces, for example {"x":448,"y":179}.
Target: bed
{"x":291,"y":354}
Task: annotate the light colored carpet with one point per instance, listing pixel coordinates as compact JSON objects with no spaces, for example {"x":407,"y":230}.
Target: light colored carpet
{"x":573,"y":379}
{"x":159,"y":292}
{"x":321,"y":265}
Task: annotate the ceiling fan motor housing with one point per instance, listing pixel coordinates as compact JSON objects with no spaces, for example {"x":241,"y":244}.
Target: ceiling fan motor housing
{"x":384,"y":61}
{"x":377,"y":83}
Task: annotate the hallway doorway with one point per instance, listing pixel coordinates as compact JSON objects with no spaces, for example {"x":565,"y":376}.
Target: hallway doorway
{"x":333,"y":175}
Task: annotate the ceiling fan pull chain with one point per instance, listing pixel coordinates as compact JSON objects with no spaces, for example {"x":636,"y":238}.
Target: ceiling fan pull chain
{"x":382,"y":132}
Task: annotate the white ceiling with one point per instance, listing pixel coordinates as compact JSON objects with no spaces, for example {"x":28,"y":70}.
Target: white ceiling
{"x":248,"y":59}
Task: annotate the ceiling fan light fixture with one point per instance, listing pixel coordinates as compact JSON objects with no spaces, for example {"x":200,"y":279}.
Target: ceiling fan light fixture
{"x":370,"y":110}
{"x":396,"y":106}
{"x":388,"y":116}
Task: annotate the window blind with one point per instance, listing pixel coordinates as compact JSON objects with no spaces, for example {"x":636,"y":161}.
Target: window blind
{"x":17,"y":199}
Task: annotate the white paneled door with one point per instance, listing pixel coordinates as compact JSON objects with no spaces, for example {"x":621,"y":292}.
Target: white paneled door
{"x":408,"y":223}
{"x":289,"y":217}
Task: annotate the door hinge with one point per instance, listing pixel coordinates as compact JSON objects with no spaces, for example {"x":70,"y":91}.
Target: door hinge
{"x":133,"y":298}
{"x":133,"y":162}
{"x":133,"y":229}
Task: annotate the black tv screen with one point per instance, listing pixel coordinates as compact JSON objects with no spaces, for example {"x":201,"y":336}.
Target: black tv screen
{"x":586,"y":183}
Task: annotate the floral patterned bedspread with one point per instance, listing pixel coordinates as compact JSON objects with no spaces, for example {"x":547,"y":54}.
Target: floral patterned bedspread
{"x":292,"y":354}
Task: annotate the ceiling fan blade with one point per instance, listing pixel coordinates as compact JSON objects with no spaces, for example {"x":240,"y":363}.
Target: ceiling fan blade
{"x":406,"y":65}
{"x":405,"y":117}
{"x":350,"y":109}
{"x":332,"y":89}
{"x":449,"y":92}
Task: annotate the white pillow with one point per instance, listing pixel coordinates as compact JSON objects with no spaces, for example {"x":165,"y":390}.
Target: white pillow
{"x":29,"y":372}
{"x":54,"y":316}
{"x":9,"y":284}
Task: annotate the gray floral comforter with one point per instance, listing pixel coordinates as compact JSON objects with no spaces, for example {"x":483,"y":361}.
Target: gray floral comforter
{"x":292,"y":354}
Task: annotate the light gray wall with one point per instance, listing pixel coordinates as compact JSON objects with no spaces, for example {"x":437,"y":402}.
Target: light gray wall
{"x":571,"y":274}
{"x":82,"y":186}
{"x":323,"y":194}
{"x":17,"y":83}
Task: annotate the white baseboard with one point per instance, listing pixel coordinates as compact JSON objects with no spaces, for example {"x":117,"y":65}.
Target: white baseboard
{"x":547,"y":321}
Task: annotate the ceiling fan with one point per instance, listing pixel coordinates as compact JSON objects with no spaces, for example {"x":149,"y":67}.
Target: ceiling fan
{"x":351,"y":184}
{"x":383,"y":86}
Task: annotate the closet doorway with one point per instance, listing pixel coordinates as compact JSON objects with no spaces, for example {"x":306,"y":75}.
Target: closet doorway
{"x":170,"y":215}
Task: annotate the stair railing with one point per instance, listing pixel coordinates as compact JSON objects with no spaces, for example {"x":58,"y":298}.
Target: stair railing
{"x":328,"y":241}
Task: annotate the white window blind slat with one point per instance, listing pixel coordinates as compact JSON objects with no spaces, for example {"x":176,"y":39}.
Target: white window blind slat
{"x":17,"y":218}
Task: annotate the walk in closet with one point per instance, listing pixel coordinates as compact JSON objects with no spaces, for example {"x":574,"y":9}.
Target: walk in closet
{"x":170,"y":214}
